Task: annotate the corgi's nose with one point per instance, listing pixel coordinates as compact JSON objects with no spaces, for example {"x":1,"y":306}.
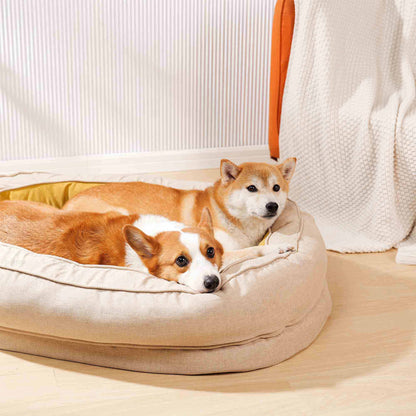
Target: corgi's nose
{"x":272,"y":207}
{"x":211,"y":282}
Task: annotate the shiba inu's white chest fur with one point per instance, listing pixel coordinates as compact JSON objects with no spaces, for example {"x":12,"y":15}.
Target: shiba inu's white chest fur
{"x":235,"y":238}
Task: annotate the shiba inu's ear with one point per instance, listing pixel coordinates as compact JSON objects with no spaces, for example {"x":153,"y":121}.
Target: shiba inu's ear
{"x":206,"y":221}
{"x":229,"y":171}
{"x":142,"y":243}
{"x":288,"y":168}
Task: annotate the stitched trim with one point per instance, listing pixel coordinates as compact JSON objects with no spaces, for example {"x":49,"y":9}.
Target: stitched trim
{"x":99,"y":288}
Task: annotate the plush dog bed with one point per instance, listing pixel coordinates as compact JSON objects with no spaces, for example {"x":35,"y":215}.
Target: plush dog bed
{"x":268,"y":309}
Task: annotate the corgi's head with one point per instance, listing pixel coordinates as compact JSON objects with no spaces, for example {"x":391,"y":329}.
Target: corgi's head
{"x":256,"y":190}
{"x":172,"y":251}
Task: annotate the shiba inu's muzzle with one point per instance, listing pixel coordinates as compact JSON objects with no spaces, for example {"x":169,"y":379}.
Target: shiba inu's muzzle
{"x":271,"y":208}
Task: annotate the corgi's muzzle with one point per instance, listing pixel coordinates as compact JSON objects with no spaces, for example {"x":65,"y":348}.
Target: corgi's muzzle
{"x":211,"y":282}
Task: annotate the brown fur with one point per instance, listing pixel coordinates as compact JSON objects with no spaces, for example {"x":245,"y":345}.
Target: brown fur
{"x":84,"y":237}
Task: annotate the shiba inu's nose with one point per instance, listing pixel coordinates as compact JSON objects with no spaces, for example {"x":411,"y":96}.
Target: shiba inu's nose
{"x":211,"y":282}
{"x":272,"y":207}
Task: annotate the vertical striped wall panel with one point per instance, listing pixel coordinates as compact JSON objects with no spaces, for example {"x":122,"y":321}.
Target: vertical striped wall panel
{"x":90,"y":77}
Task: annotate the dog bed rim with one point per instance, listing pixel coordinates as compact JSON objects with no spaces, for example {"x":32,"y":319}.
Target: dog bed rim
{"x":287,"y":303}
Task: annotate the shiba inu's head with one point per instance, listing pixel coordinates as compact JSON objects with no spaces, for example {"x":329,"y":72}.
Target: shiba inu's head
{"x":172,"y":251}
{"x":256,"y":190}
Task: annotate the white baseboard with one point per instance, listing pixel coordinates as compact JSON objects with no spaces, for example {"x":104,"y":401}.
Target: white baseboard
{"x":146,"y":162}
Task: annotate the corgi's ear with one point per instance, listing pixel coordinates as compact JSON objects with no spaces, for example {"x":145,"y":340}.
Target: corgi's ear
{"x":229,"y":171}
{"x":288,"y":168}
{"x":143,"y":244}
{"x":206,"y":221}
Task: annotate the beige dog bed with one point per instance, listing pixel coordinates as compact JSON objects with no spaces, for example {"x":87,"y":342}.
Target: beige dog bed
{"x":269,"y":308}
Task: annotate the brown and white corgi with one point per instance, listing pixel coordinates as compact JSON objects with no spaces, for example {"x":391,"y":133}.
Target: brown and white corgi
{"x":151,"y":243}
{"x":244,"y":202}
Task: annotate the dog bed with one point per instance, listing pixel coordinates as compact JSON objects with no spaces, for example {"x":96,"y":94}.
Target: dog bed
{"x":268,"y":309}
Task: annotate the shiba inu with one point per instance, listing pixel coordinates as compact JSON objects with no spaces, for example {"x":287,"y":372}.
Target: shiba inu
{"x":150,"y":243}
{"x":244,"y":202}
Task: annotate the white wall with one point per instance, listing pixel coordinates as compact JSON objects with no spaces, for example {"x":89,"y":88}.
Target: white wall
{"x":86,"y":77}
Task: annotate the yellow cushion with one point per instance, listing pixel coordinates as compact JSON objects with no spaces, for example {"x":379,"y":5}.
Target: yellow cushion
{"x":263,"y":242}
{"x":55,"y":194}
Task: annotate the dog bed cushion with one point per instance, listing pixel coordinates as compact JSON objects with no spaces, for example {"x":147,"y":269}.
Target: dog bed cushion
{"x":268,"y":309}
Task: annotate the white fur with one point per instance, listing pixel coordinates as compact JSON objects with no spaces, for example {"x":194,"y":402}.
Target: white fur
{"x":229,"y":240}
{"x":199,"y":268}
{"x":155,"y":224}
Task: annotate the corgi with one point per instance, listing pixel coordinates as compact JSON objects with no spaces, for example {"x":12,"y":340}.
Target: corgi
{"x":244,"y":203}
{"x":150,"y":243}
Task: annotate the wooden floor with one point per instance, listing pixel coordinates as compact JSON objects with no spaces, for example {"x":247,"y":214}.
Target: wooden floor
{"x":363,"y":363}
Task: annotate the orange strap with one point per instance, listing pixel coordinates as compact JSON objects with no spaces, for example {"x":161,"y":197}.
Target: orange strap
{"x":283,"y":22}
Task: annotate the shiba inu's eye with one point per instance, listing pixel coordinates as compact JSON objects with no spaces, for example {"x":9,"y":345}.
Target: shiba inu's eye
{"x":182,"y":261}
{"x":210,"y":252}
{"x":251,"y":188}
{"x":276,"y":188}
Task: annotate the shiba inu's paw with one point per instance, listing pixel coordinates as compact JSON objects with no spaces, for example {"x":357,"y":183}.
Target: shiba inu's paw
{"x":286,"y":248}
{"x":265,"y":250}
{"x":253,"y":252}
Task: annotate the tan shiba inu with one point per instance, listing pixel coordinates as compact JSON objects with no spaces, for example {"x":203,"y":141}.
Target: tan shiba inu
{"x":244,"y":202}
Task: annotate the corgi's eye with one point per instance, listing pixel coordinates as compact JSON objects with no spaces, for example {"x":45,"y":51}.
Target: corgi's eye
{"x":276,"y":188}
{"x":251,"y":188}
{"x":210,"y":252}
{"x":182,"y":261}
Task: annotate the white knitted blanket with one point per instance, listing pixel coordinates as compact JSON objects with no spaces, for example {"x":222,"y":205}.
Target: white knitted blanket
{"x":349,"y":116}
